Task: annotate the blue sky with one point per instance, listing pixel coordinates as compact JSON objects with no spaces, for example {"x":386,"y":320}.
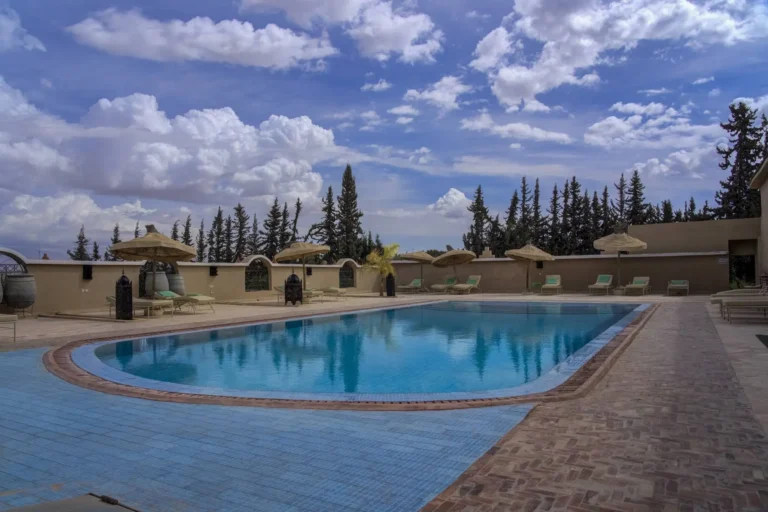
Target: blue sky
{"x":142,"y":111}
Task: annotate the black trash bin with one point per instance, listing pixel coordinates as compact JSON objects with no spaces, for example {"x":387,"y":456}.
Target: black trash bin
{"x":123,"y":299}
{"x":293,"y":291}
{"x":390,"y":285}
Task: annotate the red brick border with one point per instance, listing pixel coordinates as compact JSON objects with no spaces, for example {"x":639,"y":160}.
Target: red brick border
{"x":59,"y":362}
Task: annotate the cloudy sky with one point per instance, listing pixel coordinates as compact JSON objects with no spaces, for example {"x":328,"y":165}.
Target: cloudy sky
{"x":126,"y":110}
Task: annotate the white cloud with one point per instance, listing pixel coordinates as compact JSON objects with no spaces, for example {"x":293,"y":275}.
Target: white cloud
{"x":492,"y":50}
{"x":670,"y":130}
{"x":199,"y":39}
{"x":474,"y":15}
{"x":306,"y":12}
{"x":655,"y":92}
{"x":506,"y":167}
{"x":443,"y":94}
{"x":404,"y":120}
{"x":714,"y":93}
{"x":382,"y":31}
{"x":684,"y":162}
{"x":404,"y":110}
{"x":760,"y":103}
{"x":13,"y":35}
{"x":651,"y":109}
{"x":453,"y":205}
{"x":535,"y":106}
{"x":371,"y":120}
{"x":128,"y":146}
{"x":381,"y":85}
{"x":516,"y":146}
{"x":484,"y":123}
{"x":577,"y":34}
{"x":703,"y":80}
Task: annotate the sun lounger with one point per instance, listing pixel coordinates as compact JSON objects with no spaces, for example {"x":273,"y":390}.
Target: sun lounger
{"x":280,"y":289}
{"x":192,"y":301}
{"x":413,"y":287}
{"x":9,"y":322}
{"x":678,"y":286}
{"x":602,"y":285}
{"x":146,"y":305}
{"x":744,"y":303}
{"x":445,"y":287}
{"x":337,"y":293}
{"x":552,"y":284}
{"x":639,"y":285}
{"x":311,"y":294}
{"x":472,"y":284}
{"x":719,"y":297}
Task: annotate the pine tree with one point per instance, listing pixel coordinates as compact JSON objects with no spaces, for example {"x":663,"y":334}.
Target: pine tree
{"x":229,"y":240}
{"x":186,"y":237}
{"x":241,"y":228}
{"x":254,"y":240}
{"x":325,"y":231}
{"x":667,"y":213}
{"x":495,"y":237}
{"x":565,"y":221}
{"x":368,"y":246}
{"x":742,"y":158}
{"x":349,"y":227}
{"x":524,"y":226}
{"x":510,"y":232}
{"x":285,"y":228}
{"x":80,"y":252}
{"x":295,"y":226}
{"x":706,"y":212}
{"x":377,"y":244}
{"x":136,"y":231}
{"x":690,"y":212}
{"x":620,"y":206}
{"x":637,"y":209}
{"x":271,"y":232}
{"x":678,"y":215}
{"x":764,"y":142}
{"x":175,"y":231}
{"x":606,"y":225}
{"x":553,"y":235}
{"x":108,"y":256}
{"x":537,"y":222}
{"x":597,"y":219}
{"x":211,"y":243}
{"x":585,"y":234}
{"x":219,"y":237}
{"x":95,"y":254}
{"x":479,"y":211}
{"x":201,"y":245}
{"x":576,"y":216}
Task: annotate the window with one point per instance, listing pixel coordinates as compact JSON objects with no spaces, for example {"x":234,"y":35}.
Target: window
{"x":347,"y":276}
{"x":256,"y":277}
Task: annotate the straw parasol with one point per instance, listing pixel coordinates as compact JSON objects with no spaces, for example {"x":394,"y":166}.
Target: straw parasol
{"x":301,"y":251}
{"x":453,"y":258}
{"x":531,"y":253}
{"x":619,"y":242}
{"x":153,"y":246}
{"x":420,"y":257}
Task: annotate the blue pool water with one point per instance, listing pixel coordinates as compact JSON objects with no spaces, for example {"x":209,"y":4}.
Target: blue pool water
{"x":434,"y":348}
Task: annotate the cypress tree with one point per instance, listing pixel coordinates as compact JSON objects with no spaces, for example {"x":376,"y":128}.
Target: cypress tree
{"x":377,"y":244}
{"x":325,"y":230}
{"x":606,"y":225}
{"x":271,"y":232}
{"x":565,"y":223}
{"x":254,"y":241}
{"x":742,"y":159}
{"x":597,"y":218}
{"x":186,"y":237}
{"x":219,"y":237}
{"x":241,"y":229}
{"x":636,"y":211}
{"x":285,"y":228}
{"x":510,"y":239}
{"x":495,"y":237}
{"x":95,"y":254}
{"x":108,"y":256}
{"x":211,"y":243}
{"x":576,"y":206}
{"x":295,"y":227}
{"x":136,"y":231}
{"x":175,"y":231}
{"x":349,"y":227}
{"x":201,"y":245}
{"x":553,"y":235}
{"x":229,"y":240}
{"x":479,"y":219}
{"x":537,"y":222}
{"x":620,"y":206}
{"x":585,"y":235}
{"x":524,"y":227}
{"x":667,"y":213}
{"x":690,"y":212}
{"x":80,"y":252}
{"x":678,"y":215}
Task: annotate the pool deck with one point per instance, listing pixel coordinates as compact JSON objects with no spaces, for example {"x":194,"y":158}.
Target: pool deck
{"x":677,"y":423}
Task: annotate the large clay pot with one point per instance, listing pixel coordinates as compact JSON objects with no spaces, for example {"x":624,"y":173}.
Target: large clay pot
{"x":20,"y":290}
{"x":161,"y":283}
{"x":176,"y":284}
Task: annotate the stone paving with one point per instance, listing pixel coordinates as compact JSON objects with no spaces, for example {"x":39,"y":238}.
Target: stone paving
{"x":58,"y":440}
{"x":669,"y":428}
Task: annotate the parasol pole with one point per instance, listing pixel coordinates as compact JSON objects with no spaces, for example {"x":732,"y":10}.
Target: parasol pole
{"x":528,"y":277}
{"x":154,"y":279}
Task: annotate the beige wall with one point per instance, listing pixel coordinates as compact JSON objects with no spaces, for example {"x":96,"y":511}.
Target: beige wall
{"x":60,"y":286}
{"x":702,"y":236}
{"x":706,"y":273}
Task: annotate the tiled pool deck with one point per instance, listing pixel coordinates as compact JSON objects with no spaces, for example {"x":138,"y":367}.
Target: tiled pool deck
{"x":58,"y":440}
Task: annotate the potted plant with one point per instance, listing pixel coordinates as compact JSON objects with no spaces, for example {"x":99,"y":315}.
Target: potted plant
{"x":381,"y":262}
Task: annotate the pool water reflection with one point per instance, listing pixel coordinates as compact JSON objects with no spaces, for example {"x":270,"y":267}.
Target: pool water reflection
{"x":435,"y":348}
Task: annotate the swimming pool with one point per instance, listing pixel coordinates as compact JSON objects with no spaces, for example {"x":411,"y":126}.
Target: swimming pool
{"x":447,"y":350}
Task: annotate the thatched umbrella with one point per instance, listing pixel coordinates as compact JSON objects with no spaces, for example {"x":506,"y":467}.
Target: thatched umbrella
{"x":453,"y":258}
{"x":301,"y":251}
{"x":619,"y":242}
{"x":421,"y":257}
{"x":153,"y":246}
{"x":531,"y":253}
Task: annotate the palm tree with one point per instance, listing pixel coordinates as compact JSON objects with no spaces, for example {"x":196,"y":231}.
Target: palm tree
{"x":381,"y":262}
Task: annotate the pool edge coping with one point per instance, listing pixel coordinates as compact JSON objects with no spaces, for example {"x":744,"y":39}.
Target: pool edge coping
{"x":59,"y":362}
